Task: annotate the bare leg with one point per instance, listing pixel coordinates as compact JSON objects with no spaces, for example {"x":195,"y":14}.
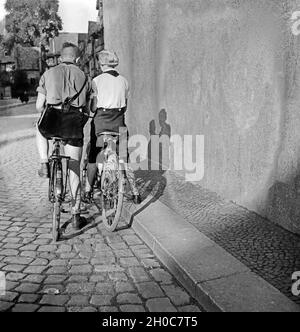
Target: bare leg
{"x":75,"y":153}
{"x":42,"y":146}
{"x":91,"y":176}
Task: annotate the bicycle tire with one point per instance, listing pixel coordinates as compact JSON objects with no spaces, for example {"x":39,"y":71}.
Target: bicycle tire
{"x":56,"y":216}
{"x":51,"y":183}
{"x":56,"y":221}
{"x":110,"y":222}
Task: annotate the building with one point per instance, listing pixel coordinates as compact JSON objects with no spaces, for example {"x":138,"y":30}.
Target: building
{"x":23,"y":61}
{"x":27,"y":60}
{"x":90,"y":45}
{"x":95,"y":44}
{"x":53,"y":52}
{"x":19,"y":70}
{"x":7,"y":64}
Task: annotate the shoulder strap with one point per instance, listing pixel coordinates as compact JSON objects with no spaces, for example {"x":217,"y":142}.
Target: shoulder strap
{"x":70,"y":100}
{"x":112,"y":73}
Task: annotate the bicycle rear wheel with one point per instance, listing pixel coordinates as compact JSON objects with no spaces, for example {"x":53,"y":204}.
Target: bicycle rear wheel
{"x":51,"y":192}
{"x":57,"y":203}
{"x":112,"y":199}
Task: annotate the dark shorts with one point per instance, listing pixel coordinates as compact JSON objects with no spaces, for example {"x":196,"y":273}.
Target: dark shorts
{"x":78,"y":143}
{"x":67,"y":125}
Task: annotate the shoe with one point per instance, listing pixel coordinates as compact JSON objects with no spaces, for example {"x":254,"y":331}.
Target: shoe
{"x":44,"y":171}
{"x":137,"y":199}
{"x":78,"y":222}
{"x":87,"y":198}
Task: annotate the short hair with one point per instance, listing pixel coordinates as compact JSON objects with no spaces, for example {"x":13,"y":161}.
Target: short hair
{"x":69,"y":50}
{"x":108,"y":58}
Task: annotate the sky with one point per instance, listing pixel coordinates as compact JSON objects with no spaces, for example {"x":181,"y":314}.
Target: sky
{"x":74,"y":13}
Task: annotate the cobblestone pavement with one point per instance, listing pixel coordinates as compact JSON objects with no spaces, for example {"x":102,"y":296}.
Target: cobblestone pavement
{"x":267,"y":249}
{"x":95,"y":271}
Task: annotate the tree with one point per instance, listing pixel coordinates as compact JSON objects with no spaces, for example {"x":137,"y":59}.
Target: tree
{"x":32,"y":22}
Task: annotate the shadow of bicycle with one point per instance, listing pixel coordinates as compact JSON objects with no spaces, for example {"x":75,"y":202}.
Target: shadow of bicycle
{"x":94,"y":220}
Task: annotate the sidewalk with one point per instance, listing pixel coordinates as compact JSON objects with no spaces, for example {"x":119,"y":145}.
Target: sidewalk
{"x":234,"y":259}
{"x":12,"y":103}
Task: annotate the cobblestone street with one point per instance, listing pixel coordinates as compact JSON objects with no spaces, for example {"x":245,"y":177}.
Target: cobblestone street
{"x":96,"y":271}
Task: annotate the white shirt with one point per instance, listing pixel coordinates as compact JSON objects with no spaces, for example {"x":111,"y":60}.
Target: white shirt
{"x":111,"y":92}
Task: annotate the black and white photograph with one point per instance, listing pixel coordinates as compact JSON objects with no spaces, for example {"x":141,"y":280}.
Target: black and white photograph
{"x":149,"y":159}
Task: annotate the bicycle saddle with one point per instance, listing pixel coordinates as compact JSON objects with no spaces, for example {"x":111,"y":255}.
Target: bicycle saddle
{"x":107,"y":133}
{"x":56,"y":139}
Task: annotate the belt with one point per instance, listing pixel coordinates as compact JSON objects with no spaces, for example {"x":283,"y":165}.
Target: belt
{"x":59,"y":108}
{"x":112,"y":109}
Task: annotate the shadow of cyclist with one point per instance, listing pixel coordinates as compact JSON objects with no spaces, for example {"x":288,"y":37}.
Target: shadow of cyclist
{"x":152,"y":182}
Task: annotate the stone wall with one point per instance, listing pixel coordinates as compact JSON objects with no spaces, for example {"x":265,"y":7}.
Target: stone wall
{"x":227,"y":70}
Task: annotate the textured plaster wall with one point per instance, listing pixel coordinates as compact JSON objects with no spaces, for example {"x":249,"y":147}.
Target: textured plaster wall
{"x":226,"y":69}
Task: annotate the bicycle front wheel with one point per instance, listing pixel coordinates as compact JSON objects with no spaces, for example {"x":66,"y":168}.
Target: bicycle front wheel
{"x":57,"y":204}
{"x":112,"y":199}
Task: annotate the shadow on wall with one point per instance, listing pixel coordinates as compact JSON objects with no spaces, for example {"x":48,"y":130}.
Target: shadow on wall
{"x":154,"y":181}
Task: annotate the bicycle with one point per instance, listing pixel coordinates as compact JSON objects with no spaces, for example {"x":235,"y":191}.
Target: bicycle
{"x":57,"y":185}
{"x":111,"y":181}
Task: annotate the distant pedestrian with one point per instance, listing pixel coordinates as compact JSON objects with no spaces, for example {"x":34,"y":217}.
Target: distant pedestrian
{"x":24,"y":97}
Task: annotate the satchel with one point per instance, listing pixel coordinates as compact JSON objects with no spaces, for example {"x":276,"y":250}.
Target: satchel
{"x":66,"y":123}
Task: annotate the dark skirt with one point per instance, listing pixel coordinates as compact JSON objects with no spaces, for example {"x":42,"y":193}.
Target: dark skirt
{"x":109,"y":121}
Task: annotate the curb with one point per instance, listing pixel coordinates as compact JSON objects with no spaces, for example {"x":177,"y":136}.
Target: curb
{"x":217,"y":280}
{"x":7,"y":107}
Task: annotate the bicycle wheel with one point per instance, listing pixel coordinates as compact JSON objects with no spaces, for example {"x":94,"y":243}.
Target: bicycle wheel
{"x":112,"y":186}
{"x":56,"y":221}
{"x":58,"y":190}
{"x":51,"y":192}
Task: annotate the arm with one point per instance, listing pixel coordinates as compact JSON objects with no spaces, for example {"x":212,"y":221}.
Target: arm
{"x":127,"y":93}
{"x":94,"y":104}
{"x":94,"y":100}
{"x":41,"y":102}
